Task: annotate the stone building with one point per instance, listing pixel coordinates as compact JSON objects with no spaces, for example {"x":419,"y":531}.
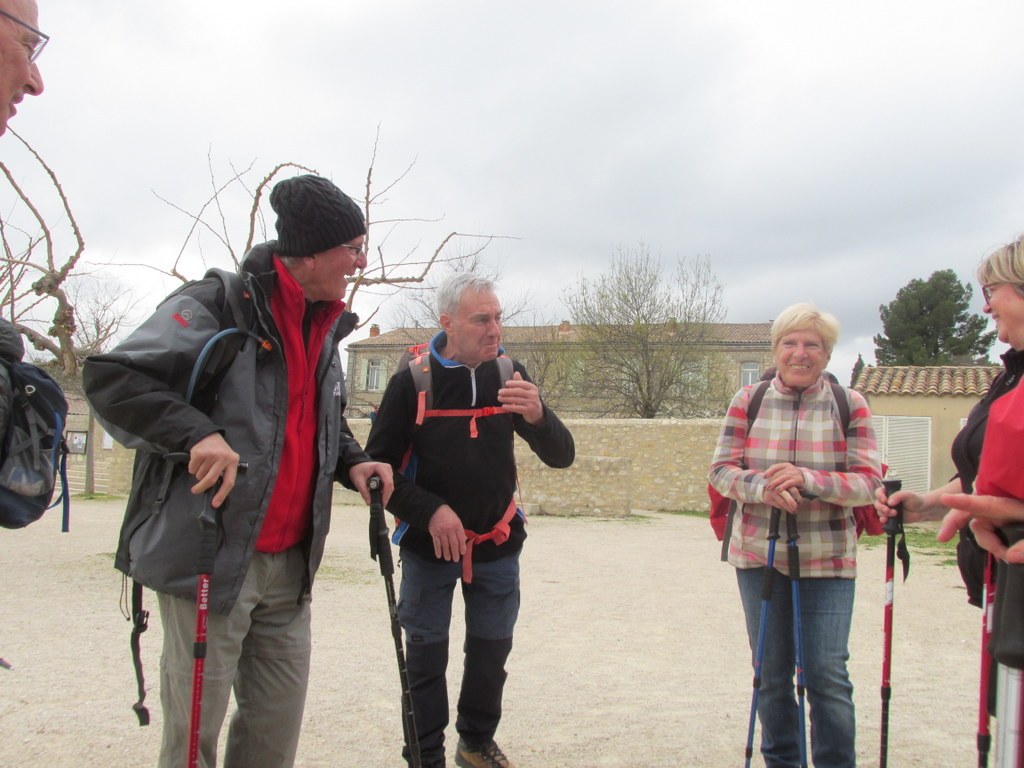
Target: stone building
{"x":740,"y":353}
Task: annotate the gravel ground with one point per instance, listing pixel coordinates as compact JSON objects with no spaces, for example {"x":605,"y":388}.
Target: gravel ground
{"x":629,"y":652}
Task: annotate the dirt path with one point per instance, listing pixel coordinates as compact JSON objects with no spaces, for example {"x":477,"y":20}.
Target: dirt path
{"x":630,"y":653}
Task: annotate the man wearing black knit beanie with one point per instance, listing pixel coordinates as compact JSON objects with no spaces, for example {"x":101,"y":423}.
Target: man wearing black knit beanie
{"x":276,"y":402}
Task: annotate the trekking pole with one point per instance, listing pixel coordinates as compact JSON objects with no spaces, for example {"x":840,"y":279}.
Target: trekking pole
{"x":204,"y":568}
{"x":380,"y":550}
{"x":984,"y":680}
{"x":798,"y":643}
{"x":893,"y":527}
{"x":766,"y":596}
{"x":1007,"y":649}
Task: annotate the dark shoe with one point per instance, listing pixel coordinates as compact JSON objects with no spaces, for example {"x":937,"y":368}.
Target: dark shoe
{"x":487,"y":755}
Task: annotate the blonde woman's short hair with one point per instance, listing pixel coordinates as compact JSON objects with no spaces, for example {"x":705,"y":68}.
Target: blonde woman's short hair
{"x":1004,"y":265}
{"x":806,"y":317}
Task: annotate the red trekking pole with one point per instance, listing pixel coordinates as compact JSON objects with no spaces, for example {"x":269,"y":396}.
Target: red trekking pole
{"x":893,"y":528}
{"x":204,"y":568}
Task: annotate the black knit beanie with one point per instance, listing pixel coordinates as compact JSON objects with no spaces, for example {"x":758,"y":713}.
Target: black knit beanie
{"x":313,"y":216}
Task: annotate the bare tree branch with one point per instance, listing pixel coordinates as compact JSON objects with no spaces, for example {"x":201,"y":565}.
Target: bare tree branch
{"x":54,"y":269}
{"x":645,"y":338}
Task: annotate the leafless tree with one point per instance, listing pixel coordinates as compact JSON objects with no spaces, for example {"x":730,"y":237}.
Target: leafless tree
{"x":645,"y":337}
{"x":37,"y":267}
{"x":105,"y":309}
{"x":386,"y":273}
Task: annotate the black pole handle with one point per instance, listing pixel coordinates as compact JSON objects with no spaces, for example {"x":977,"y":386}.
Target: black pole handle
{"x":380,"y":545}
{"x":209,"y":542}
{"x":794,"y":550}
{"x":894,"y":524}
{"x":182,"y":457}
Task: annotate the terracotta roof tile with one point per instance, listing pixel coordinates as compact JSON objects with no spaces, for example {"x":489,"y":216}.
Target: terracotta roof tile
{"x":969,"y":380}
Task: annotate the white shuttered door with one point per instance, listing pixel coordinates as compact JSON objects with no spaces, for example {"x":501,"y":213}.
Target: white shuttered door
{"x":905,"y":445}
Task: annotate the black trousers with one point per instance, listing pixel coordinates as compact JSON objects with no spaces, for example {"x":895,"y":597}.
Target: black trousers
{"x":479,"y":705}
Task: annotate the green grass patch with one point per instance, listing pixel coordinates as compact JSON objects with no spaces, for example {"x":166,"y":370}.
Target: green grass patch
{"x":920,"y":538}
{"x":686,"y":512}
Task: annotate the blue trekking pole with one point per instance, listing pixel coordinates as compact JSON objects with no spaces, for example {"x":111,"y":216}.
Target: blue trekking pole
{"x":766,"y":597}
{"x":798,"y":642}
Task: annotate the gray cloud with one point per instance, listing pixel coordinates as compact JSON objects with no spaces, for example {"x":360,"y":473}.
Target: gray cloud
{"x":815,"y":151}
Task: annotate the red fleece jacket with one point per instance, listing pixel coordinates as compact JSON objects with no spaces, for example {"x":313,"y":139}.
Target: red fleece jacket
{"x":289,"y":512}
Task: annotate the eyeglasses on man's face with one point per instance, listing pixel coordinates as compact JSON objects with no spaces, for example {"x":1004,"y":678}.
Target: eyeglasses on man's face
{"x":988,"y":290}
{"x":35,"y":48}
{"x":357,"y":250}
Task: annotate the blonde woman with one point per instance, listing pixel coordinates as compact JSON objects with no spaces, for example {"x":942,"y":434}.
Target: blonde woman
{"x":797,"y":459}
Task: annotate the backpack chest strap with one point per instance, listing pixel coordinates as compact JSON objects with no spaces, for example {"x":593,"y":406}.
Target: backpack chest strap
{"x":423,"y":413}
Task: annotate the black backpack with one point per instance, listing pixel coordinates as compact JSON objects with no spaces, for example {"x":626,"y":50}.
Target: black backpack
{"x":34,"y":453}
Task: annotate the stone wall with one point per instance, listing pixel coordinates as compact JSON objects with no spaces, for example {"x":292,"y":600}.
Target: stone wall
{"x":621,"y":465}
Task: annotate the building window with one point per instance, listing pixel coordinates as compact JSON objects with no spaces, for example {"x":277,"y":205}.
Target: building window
{"x":749,"y":373}
{"x":374,"y":375}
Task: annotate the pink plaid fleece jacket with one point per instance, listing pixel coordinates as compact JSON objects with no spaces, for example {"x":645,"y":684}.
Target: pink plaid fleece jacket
{"x":804,"y":429}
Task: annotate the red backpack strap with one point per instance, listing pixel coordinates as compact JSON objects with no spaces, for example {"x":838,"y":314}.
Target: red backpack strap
{"x":419,"y":365}
{"x":498,"y":534}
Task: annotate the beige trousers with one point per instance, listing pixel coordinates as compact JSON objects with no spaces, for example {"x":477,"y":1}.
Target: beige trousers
{"x":260,"y":651}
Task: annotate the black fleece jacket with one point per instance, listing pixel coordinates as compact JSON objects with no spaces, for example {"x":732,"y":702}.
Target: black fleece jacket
{"x":474,"y":476}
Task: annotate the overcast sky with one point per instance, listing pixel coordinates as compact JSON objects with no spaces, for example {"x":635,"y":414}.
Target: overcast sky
{"x":815,"y":150}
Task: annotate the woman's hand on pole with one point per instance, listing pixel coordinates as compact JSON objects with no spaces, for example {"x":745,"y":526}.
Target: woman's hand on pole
{"x":785,"y":500}
{"x":783,"y":486}
{"x":913,"y":505}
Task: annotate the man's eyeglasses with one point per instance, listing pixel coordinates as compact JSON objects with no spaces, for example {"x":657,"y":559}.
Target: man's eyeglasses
{"x":986,"y":291}
{"x":357,"y":250}
{"x":41,"y":39}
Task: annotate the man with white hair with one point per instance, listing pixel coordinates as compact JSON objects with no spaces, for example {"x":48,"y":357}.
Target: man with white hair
{"x":21,"y":42}
{"x":455,"y":496}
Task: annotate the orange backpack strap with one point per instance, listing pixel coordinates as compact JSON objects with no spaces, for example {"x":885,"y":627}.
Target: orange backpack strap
{"x":418,"y":359}
{"x":498,"y":534}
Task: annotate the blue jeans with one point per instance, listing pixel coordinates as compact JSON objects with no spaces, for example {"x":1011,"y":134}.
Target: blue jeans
{"x":826,"y":607}
{"x":425,"y":598}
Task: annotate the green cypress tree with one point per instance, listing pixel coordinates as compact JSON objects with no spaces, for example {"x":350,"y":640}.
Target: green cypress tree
{"x":928,"y":323}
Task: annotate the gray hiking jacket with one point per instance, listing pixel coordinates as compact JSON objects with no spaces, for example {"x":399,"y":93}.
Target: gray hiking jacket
{"x":138,"y":393}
